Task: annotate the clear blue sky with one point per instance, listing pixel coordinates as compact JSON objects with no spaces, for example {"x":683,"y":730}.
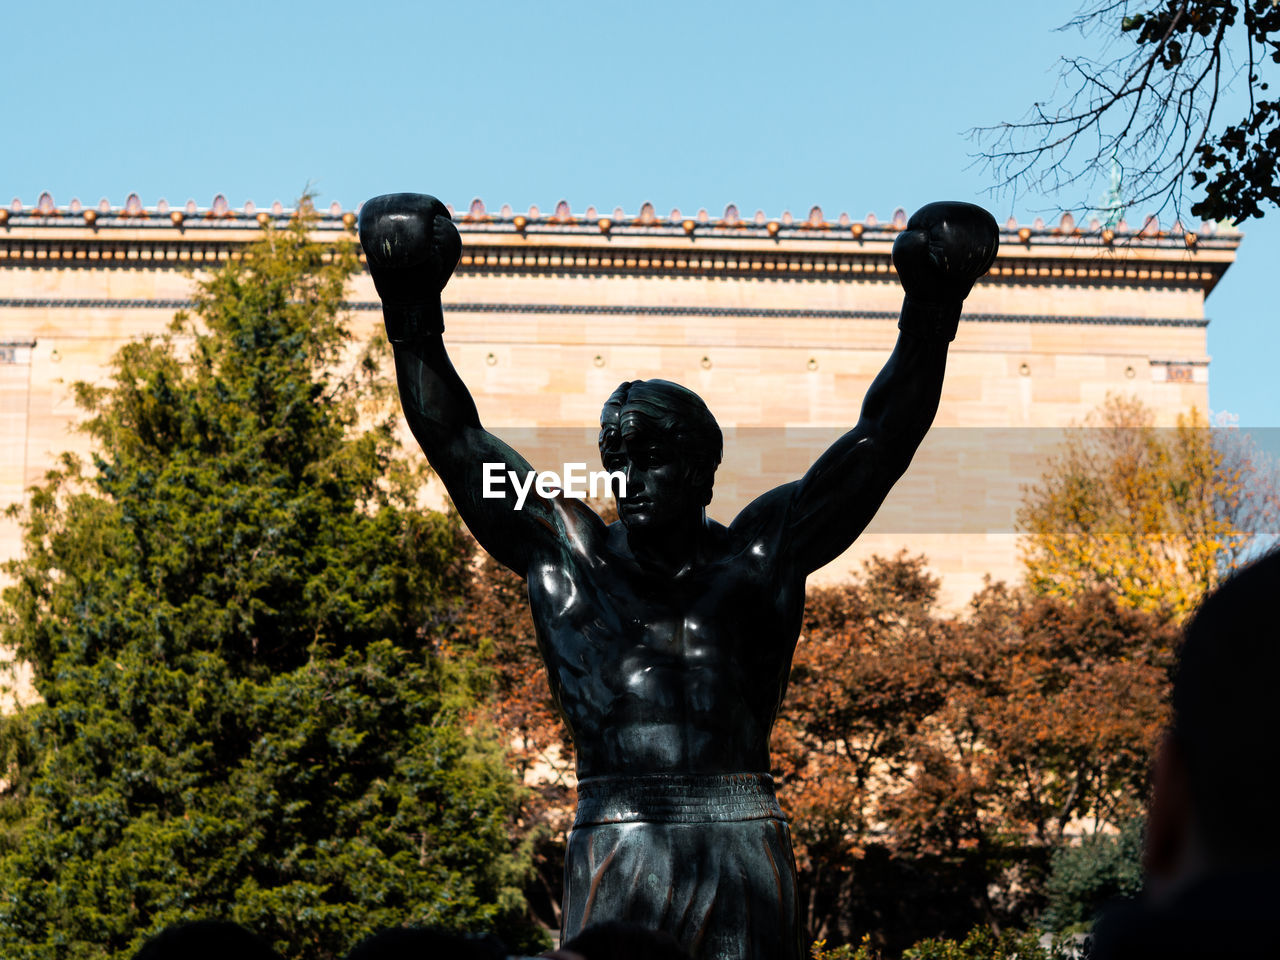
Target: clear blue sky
{"x":852,"y":106}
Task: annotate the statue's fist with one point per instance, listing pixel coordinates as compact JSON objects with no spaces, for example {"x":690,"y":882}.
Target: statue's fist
{"x":945,"y":248}
{"x":411,"y":245}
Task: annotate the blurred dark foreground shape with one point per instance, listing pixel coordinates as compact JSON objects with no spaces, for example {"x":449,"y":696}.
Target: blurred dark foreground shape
{"x":205,"y":940}
{"x":1212,"y":854}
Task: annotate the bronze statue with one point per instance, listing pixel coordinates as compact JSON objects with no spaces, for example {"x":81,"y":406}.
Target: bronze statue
{"x":667,"y":636}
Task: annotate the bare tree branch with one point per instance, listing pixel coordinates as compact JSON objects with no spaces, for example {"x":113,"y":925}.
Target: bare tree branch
{"x":1149,"y":112}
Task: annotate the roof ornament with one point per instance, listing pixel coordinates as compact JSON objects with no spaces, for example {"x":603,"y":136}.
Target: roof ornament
{"x":1067,"y":224}
{"x":1113,"y":201}
{"x":1011,"y":224}
{"x":277,"y":209}
{"x":646,"y":214}
{"x":787,"y":218}
{"x":703,"y":216}
{"x":730,"y":215}
{"x":1038,"y":224}
{"x":162,"y":206}
{"x":1150,"y":226}
{"x":899,"y":219}
{"x":562,"y":214}
{"x":220,"y":207}
{"x":133,"y":206}
{"x":534,"y":212}
{"x":844,"y":220}
{"x":104,"y":205}
{"x":335,"y":209}
{"x":476,"y":211}
{"x":871,"y":220}
{"x":75,"y":206}
{"x":815,"y":217}
{"x":250,"y":208}
{"x":759,"y":218}
{"x":618,"y":214}
{"x":675,"y":216}
{"x":591,"y":213}
{"x":44,"y":206}
{"x":191,"y":208}
{"x":505,"y":212}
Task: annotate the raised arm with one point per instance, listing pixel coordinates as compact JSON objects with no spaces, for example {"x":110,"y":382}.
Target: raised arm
{"x":944,"y":249}
{"x":412,"y":248}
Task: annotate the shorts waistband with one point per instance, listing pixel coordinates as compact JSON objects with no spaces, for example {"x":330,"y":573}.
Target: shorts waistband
{"x":677,"y":798}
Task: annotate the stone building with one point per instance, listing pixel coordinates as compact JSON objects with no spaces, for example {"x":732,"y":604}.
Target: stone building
{"x":779,"y":323}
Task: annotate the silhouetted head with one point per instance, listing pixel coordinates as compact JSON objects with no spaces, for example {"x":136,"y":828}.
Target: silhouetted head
{"x":1225,"y":723}
{"x":1213,"y":839}
{"x":663,"y":438}
{"x":205,"y":940}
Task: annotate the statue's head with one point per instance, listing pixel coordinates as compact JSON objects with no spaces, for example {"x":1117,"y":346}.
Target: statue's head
{"x":666,"y":442}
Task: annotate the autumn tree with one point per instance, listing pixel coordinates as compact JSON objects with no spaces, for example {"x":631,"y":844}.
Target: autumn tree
{"x":865,"y":678}
{"x":235,"y":617}
{"x":1156,"y":516}
{"x":931,"y":764}
{"x":1152,"y":103}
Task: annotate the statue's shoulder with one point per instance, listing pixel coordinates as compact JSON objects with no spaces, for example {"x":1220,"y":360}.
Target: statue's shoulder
{"x":765,"y":516}
{"x":582,"y":528}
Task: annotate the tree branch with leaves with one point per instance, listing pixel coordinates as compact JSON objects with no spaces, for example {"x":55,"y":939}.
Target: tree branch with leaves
{"x":1153,"y":106}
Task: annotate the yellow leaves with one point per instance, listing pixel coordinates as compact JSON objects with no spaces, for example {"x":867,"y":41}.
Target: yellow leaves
{"x":1149,"y":514}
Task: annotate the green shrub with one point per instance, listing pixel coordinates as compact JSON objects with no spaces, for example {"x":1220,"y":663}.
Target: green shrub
{"x":1083,"y":878}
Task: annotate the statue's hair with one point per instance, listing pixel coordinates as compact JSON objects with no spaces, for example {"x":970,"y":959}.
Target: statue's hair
{"x":673,"y":410}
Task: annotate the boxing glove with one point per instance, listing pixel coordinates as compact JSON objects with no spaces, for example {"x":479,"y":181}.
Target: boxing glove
{"x":944,"y":249}
{"x":412,"y":248}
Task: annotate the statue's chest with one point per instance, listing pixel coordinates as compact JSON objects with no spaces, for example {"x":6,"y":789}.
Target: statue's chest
{"x":669,"y":621}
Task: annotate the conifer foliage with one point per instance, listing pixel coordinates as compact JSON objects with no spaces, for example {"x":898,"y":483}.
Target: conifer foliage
{"x":233,"y":617}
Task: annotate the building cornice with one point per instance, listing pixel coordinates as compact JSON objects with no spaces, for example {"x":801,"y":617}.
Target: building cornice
{"x":646,"y":244}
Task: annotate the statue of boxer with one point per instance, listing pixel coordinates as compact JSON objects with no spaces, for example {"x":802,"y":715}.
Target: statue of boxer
{"x":667,"y":636}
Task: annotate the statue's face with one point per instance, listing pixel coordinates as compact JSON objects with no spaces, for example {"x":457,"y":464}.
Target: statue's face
{"x":659,"y":493}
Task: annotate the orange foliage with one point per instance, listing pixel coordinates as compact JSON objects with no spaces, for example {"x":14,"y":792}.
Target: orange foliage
{"x":974,"y":742}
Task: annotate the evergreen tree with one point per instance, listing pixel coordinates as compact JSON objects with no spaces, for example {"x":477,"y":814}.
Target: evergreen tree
{"x":233,"y":619}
